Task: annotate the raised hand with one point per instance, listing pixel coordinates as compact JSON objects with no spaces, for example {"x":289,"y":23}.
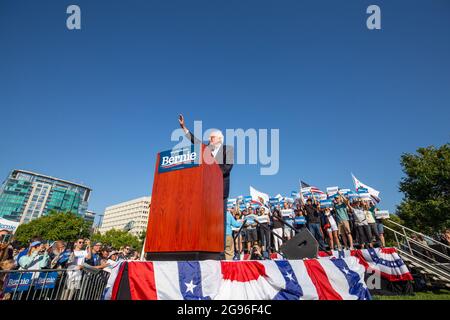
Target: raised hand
{"x":181,"y":121}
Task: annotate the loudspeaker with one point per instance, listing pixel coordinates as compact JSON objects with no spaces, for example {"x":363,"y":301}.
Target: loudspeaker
{"x":302,"y":245}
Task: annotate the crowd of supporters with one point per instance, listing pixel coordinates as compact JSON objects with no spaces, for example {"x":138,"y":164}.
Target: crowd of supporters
{"x":261,"y":230}
{"x":74,"y":257}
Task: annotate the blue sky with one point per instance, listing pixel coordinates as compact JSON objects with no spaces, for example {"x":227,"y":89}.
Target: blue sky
{"x":95,"y":105}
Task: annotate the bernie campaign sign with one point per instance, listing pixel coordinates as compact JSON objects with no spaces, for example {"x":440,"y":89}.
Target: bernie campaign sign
{"x":177,"y":159}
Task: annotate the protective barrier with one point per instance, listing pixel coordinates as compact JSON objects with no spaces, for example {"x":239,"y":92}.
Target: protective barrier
{"x":53,"y":284}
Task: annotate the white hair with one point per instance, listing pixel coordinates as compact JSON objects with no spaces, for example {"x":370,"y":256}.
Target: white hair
{"x":218,"y":134}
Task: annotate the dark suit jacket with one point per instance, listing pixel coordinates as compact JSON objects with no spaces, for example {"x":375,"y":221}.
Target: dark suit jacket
{"x":225,"y":159}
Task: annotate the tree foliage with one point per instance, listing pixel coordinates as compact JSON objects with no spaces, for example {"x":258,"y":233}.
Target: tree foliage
{"x":54,"y":226}
{"x":118,"y":238}
{"x":426,"y":204}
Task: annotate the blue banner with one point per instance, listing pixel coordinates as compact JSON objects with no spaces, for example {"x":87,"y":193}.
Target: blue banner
{"x":12,"y":282}
{"x":326,"y":204}
{"x":362,"y":190}
{"x":274,"y":201}
{"x":46,"y":280}
{"x":300,"y":220}
{"x":247,"y":199}
{"x":177,"y":159}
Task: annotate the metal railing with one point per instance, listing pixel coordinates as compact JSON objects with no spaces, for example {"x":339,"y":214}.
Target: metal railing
{"x":424,"y":236}
{"x":53,"y":284}
{"x":420,"y":254}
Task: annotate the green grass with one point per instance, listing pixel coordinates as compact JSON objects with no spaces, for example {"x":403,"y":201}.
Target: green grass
{"x":428,"y":295}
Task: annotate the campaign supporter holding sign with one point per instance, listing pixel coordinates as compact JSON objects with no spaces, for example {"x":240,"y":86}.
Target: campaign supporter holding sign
{"x":274,"y":201}
{"x":331,"y":191}
{"x":288,"y":215}
{"x":299,"y":221}
{"x":382,"y":214}
{"x":326,"y":204}
{"x":250,"y":220}
{"x":263,"y":218}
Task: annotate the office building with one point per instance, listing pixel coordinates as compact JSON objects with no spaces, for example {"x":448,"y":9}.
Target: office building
{"x":131,"y":216}
{"x":26,"y":195}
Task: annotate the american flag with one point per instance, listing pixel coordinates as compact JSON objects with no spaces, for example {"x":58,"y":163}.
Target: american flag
{"x":312,"y":189}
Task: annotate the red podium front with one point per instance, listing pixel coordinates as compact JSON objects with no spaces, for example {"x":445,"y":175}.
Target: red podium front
{"x":186,"y":213}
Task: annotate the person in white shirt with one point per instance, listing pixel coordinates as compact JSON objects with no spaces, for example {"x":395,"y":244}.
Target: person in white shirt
{"x":364,"y":234}
{"x":332,"y":231}
{"x":75,"y":265}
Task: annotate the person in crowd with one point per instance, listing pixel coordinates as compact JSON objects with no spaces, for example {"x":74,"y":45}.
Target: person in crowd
{"x":229,"y":243}
{"x":81,"y":250}
{"x":126,"y":253}
{"x":372,"y":223}
{"x":235,"y":231}
{"x":288,"y":218}
{"x":134,"y":255}
{"x":263,"y":229}
{"x":25,"y":249}
{"x":343,"y":220}
{"x":313,"y":214}
{"x":363,"y":230}
{"x":445,"y":240}
{"x":277,"y":228}
{"x":93,"y":257}
{"x":299,"y":218}
{"x":6,"y":249}
{"x":37,"y":257}
{"x":251,"y":233}
{"x":255,"y":253}
{"x":5,"y":265}
{"x":332,"y":230}
{"x":59,"y":255}
{"x":111,"y":260}
{"x":104,"y":255}
{"x":379,"y":222}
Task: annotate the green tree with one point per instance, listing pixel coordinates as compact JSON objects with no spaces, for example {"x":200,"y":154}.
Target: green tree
{"x":54,"y":226}
{"x":426,"y":204}
{"x":118,"y":238}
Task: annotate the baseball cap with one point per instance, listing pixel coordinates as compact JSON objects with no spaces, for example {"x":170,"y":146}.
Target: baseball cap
{"x":112,"y":253}
{"x":35,"y":243}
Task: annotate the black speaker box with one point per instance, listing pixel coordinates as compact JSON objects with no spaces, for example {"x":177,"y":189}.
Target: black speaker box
{"x":302,"y":245}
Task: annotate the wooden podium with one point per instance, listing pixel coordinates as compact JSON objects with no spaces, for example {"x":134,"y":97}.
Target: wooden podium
{"x":186,"y":220}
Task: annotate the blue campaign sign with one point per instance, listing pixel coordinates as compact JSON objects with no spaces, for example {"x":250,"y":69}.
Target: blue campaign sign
{"x":362,"y":190}
{"x":294,"y":194}
{"x":19,"y":281}
{"x":300,"y":220}
{"x":247,"y":199}
{"x":326,"y":204}
{"x":46,"y":280}
{"x":274,"y":201}
{"x":177,"y":159}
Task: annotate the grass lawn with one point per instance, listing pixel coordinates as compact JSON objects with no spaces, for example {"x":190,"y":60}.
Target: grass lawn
{"x":428,"y":295}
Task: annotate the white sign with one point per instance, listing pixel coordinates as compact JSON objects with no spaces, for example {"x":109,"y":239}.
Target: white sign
{"x":8,"y":225}
{"x":331,"y":191}
{"x":382,"y":214}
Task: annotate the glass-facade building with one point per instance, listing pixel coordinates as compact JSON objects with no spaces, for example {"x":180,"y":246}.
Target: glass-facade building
{"x":25,"y":196}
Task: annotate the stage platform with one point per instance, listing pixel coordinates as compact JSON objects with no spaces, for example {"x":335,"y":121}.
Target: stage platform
{"x":333,"y":276}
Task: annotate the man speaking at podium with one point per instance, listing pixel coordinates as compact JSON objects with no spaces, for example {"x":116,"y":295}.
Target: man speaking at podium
{"x":222,"y":153}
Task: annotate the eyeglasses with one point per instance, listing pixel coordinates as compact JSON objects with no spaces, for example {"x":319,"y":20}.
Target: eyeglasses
{"x":80,"y":242}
